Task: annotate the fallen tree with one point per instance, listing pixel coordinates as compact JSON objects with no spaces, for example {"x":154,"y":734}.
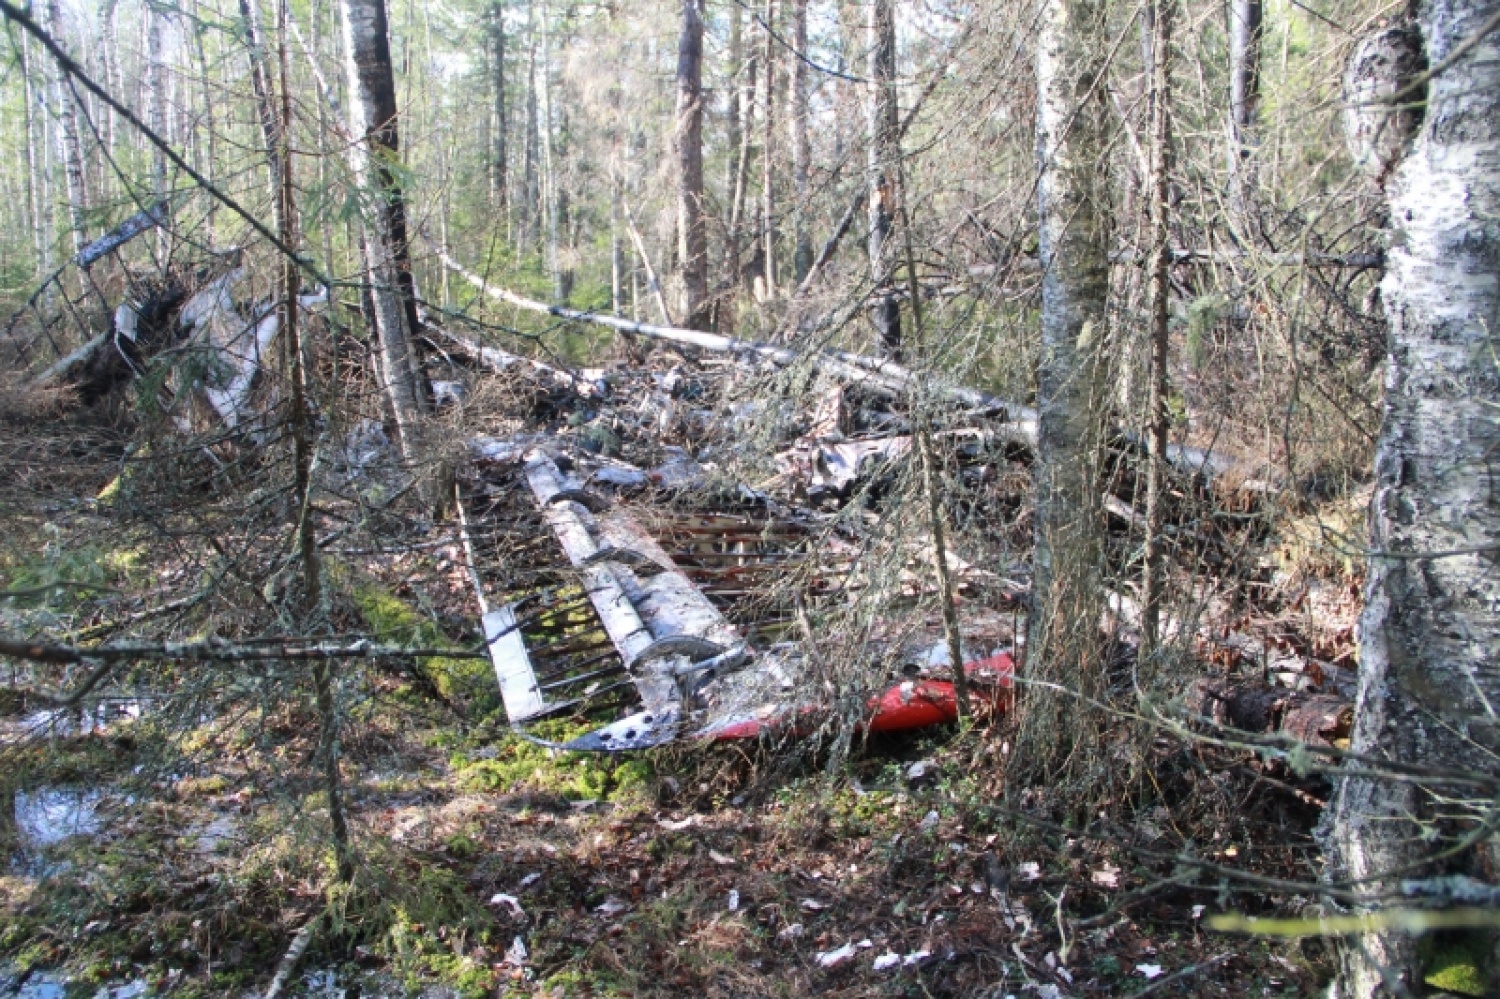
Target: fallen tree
{"x":879,"y":374}
{"x":103,"y":659}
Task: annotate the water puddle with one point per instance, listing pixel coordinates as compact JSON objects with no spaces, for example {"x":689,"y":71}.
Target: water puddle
{"x":46,"y":816}
{"x":40,"y":985}
{"x":52,"y":814}
{"x":50,"y":985}
{"x":69,"y":722}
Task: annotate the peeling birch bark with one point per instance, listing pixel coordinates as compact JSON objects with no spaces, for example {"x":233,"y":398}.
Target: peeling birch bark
{"x":1429,"y":682}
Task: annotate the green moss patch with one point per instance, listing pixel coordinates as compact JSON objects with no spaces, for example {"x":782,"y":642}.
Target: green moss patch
{"x":515,"y":765}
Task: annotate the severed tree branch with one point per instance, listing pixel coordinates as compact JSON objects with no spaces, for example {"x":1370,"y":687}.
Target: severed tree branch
{"x":104,"y":658}
{"x":222,"y":650}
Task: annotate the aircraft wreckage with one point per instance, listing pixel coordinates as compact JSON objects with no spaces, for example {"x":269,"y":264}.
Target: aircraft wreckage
{"x":677,"y":601}
{"x":681,"y":602}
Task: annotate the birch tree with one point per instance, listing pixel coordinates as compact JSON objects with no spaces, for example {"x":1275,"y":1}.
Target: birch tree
{"x":70,"y":147}
{"x":36,"y":160}
{"x":1073,"y":221}
{"x":372,"y":96}
{"x":1246,"y":28}
{"x":1429,"y":684}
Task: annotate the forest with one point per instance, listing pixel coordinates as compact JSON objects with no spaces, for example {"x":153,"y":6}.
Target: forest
{"x":729,"y":498}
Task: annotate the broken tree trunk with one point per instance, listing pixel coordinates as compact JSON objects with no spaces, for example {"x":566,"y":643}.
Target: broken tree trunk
{"x":875,"y":373}
{"x":495,"y":359}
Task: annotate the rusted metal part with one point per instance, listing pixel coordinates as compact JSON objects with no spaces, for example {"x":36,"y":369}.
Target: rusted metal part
{"x":1251,"y":706}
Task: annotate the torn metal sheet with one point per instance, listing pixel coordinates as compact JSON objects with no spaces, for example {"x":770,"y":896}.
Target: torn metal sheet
{"x":671,"y":590}
{"x":657,"y":619}
{"x":513,"y":670}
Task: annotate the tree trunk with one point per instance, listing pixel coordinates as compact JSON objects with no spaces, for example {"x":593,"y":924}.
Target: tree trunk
{"x":531,"y":229}
{"x":1428,"y":680}
{"x":551,"y":206}
{"x":70,"y":149}
{"x":741,"y":185}
{"x":767,"y":159}
{"x":109,"y":59}
{"x":1158,"y":283}
{"x":324,"y":680}
{"x":616,"y":244}
{"x":883,"y":154}
{"x":156,"y":95}
{"x":260,"y":84}
{"x":372,"y":94}
{"x":1246,"y":27}
{"x":733,"y":87}
{"x":498,"y":193}
{"x":692,"y":235}
{"x":42,"y":231}
{"x":211,"y":136}
{"x":797,"y":115}
{"x":1073,"y":218}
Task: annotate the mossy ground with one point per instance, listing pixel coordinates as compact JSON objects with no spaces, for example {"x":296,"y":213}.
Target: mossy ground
{"x":687,"y":872}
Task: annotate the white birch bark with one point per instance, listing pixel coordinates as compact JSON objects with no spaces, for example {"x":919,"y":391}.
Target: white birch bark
{"x":1246,"y":29}
{"x":1429,"y":681}
{"x":70,"y":148}
{"x":109,"y":57}
{"x":372,"y":99}
{"x":1073,"y":216}
{"x":42,"y":230}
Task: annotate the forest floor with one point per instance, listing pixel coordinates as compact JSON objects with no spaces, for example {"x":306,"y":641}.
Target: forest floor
{"x":181,"y":850}
{"x":492,"y":866}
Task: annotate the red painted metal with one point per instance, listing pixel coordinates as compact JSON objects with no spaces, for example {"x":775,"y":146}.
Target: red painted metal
{"x":911,"y":704}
